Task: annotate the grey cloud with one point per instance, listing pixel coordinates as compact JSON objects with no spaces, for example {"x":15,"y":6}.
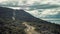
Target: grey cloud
{"x":44,"y":6}
{"x":34,"y":6}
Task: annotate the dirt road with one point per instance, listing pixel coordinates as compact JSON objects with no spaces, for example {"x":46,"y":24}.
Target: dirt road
{"x":30,"y":29}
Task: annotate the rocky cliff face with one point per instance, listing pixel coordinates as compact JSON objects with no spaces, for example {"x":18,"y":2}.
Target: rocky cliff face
{"x":24,"y":23}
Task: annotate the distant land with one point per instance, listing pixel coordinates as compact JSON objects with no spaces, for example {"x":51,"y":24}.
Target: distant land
{"x":20,"y":22}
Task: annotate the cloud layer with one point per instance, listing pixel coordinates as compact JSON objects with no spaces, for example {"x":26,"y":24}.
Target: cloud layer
{"x":29,"y":2}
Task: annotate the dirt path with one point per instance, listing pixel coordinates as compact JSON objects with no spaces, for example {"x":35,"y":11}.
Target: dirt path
{"x":30,"y":29}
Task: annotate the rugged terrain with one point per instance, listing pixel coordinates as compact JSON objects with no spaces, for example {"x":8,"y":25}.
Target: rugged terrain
{"x":24,"y":23}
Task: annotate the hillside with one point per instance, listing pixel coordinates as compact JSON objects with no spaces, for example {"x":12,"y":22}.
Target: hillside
{"x":24,"y":23}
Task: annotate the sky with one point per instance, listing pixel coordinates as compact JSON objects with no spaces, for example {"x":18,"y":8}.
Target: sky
{"x":48,"y":10}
